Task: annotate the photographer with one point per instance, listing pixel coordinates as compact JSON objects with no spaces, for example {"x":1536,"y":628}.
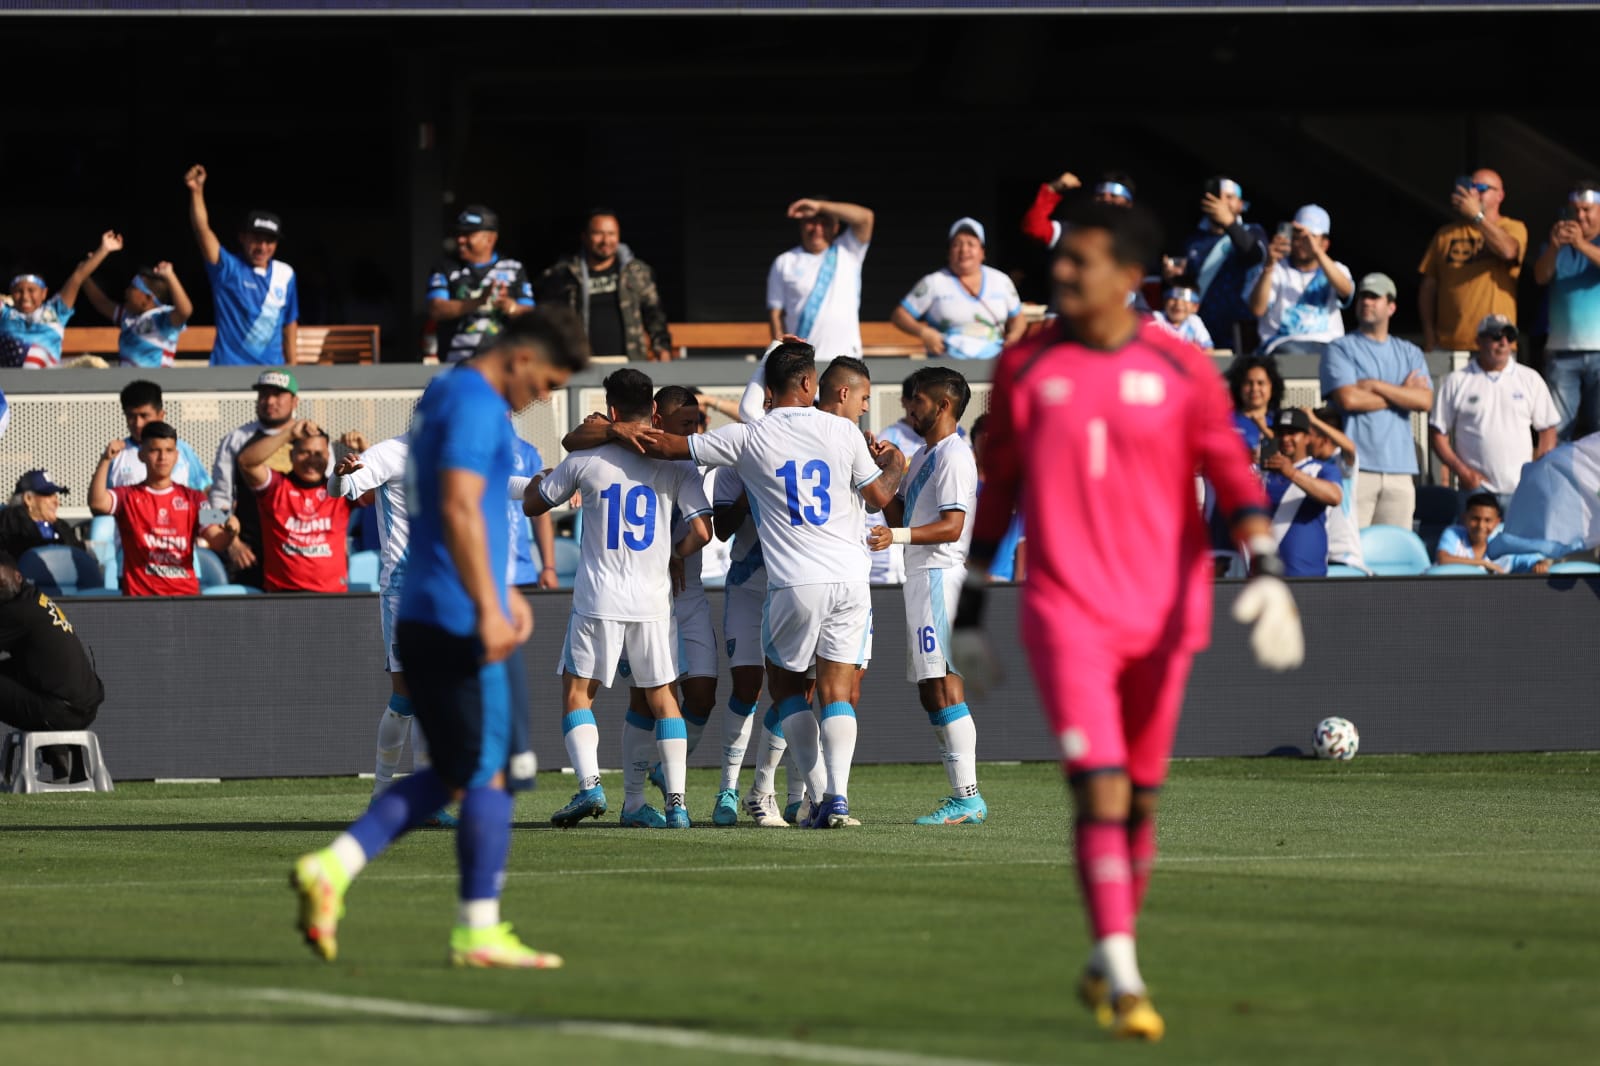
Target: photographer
{"x":1298,"y":292}
{"x":1470,"y":269}
{"x":1300,"y":491}
{"x":1216,"y":259}
{"x":1570,"y":265}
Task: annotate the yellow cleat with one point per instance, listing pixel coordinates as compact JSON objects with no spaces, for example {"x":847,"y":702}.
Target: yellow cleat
{"x":1094,"y":992}
{"x":321,"y":883}
{"x":1135,"y":1018}
{"x":497,"y":947}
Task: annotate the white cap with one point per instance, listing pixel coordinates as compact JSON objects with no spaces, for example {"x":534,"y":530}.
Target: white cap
{"x":1315,"y":219}
{"x":968,"y":224}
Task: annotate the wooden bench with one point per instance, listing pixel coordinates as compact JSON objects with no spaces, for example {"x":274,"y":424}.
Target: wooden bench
{"x":316,"y":344}
{"x":752,"y":338}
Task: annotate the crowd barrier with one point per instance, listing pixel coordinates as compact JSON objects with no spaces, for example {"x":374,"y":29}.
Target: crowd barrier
{"x":294,"y":685}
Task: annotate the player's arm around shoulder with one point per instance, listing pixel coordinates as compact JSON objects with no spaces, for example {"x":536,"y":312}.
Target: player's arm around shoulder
{"x":550,"y":488}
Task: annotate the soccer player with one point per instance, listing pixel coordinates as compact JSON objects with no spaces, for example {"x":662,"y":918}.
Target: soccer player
{"x":459,"y":629}
{"x":808,"y":472}
{"x":622,"y":603}
{"x":932,"y":517}
{"x":1097,"y":427}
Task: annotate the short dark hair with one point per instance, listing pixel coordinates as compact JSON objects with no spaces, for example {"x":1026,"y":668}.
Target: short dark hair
{"x":1240,"y":368}
{"x":980,"y":426}
{"x":628,"y":390}
{"x":1483,"y":499}
{"x":139,"y":393}
{"x":555,"y":330}
{"x":1331,"y":416}
{"x":311,"y":436}
{"x":908,"y":386}
{"x":938,"y":382}
{"x":671,"y":397}
{"x":1135,"y":234}
{"x":787,"y":364}
{"x":157,"y":431}
{"x":599,"y":211}
{"x":843,"y":368}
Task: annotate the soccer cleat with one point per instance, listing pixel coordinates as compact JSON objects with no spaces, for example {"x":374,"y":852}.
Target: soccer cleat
{"x":585,"y":803}
{"x":321,"y":883}
{"x":677,"y":817}
{"x":1094,"y":992}
{"x":1135,"y":1018}
{"x":791,"y":813}
{"x":659,"y":781}
{"x":726,"y":811}
{"x":442,"y":820}
{"x":496,"y":947}
{"x":762,"y":807}
{"x":832,"y":814}
{"x":646,"y":817}
{"x":956,"y":810}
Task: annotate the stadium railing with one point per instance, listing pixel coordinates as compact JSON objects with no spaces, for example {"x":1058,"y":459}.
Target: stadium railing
{"x":327,"y":345}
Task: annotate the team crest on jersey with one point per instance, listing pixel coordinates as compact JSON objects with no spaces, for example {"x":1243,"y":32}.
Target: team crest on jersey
{"x":731,"y":645}
{"x":1143,"y":388}
{"x":180,"y":504}
{"x":1056,"y":391}
{"x":162,"y":516}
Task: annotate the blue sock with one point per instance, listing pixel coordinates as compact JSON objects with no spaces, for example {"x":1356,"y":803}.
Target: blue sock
{"x":790,"y":706}
{"x":773,"y":723}
{"x":482,"y":841}
{"x":740,"y":707}
{"x":400,"y":704}
{"x":400,"y":808}
{"x":952,"y":713}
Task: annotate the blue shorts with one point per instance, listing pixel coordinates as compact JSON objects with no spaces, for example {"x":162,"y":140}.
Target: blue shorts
{"x":474,"y":716}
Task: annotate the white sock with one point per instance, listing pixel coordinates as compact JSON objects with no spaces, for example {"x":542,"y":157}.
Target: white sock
{"x":794,"y":782}
{"x":672,"y":745}
{"x":800,"y":729}
{"x":770,"y":749}
{"x":478,"y":913}
{"x":695,"y":727}
{"x":736,"y":725}
{"x":958,"y":746}
{"x":419,"y":746}
{"x":348,"y":851}
{"x":638,"y":751}
{"x":392,"y":731}
{"x":583,"y":746}
{"x":838,"y":733}
{"x":1121,"y":964}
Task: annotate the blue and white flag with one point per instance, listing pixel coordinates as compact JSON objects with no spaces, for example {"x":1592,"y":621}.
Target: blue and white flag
{"x":1556,"y":509}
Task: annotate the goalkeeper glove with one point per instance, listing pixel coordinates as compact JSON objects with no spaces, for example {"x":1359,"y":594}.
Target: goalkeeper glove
{"x":1267,"y":606}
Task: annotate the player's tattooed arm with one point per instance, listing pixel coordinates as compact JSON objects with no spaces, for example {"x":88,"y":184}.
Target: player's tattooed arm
{"x":597,"y":429}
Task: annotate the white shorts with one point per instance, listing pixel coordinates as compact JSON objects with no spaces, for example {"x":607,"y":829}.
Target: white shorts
{"x":808,"y":622}
{"x":388,"y":611}
{"x":931,"y":597}
{"x":741,"y":625}
{"x":598,"y":649}
{"x":696,"y":641}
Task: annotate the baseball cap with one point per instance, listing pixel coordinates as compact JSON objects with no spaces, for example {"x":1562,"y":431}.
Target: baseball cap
{"x":1315,"y":219}
{"x":970,"y":224}
{"x":475,"y":217}
{"x":1291,"y":420}
{"x":38,"y":482}
{"x":1382,"y":284}
{"x":1496,"y":326}
{"x":263,"y":222}
{"x":278,"y":379}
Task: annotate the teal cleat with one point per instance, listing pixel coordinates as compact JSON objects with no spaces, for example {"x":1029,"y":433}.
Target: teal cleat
{"x":791,"y":811}
{"x":646,"y":817}
{"x":726,"y":812}
{"x":955,"y":810}
{"x":677,"y":818}
{"x":585,"y":803}
{"x":441,"y":819}
{"x":659,"y":782}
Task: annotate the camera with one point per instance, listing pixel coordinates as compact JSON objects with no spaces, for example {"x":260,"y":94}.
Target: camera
{"x":1286,"y":230}
{"x":1569,"y":213}
{"x":1463,"y":182}
{"x":1269,"y":448}
{"x":1214,"y":186}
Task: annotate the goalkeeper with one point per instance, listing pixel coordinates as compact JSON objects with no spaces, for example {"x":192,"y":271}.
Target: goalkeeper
{"x":1097,"y":428}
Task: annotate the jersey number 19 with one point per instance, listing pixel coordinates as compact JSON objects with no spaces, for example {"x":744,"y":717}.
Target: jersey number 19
{"x":637,"y":508}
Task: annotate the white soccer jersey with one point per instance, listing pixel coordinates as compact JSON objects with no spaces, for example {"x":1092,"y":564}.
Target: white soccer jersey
{"x":747,"y":567}
{"x":802,"y":469}
{"x":383,"y":467}
{"x":941,"y":478}
{"x":693,"y":564}
{"x":974,"y":327}
{"x":835,"y":328}
{"x":627,"y":526}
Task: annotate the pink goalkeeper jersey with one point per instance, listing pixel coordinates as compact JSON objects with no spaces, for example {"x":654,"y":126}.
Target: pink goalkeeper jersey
{"x":1099,"y":449}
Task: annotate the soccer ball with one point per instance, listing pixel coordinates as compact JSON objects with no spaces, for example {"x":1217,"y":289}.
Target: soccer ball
{"x":1336,"y":738}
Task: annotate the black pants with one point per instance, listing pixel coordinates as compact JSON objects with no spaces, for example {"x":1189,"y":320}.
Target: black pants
{"x":28,"y":709}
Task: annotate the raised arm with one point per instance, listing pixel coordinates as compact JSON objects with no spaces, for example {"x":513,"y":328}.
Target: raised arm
{"x":253,"y":459}
{"x":99,"y":300}
{"x":110,"y":241}
{"x":182,"y":306}
{"x":880,"y":491}
{"x":1332,"y":432}
{"x":859,"y":219}
{"x":100,"y":499}
{"x":597,"y":429}
{"x":199,"y":216}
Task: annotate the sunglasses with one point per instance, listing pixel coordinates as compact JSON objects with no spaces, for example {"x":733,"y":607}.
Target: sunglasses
{"x":1478,"y":185}
{"x":1501,"y":335}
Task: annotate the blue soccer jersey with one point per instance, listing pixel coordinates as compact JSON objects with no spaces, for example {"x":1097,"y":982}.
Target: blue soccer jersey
{"x":1300,"y":523}
{"x":252,"y":307}
{"x":149,"y":338}
{"x":40,"y":331}
{"x":460,"y":424}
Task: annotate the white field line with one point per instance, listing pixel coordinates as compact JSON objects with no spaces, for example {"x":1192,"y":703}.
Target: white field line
{"x":658,"y":1036}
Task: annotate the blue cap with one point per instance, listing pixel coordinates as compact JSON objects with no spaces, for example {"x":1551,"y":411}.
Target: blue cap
{"x":38,"y":482}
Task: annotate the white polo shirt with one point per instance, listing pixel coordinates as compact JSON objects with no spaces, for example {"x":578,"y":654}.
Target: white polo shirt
{"x":792,"y":276}
{"x":1488,"y":416}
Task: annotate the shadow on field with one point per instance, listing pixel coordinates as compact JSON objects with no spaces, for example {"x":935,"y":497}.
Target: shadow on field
{"x":183,"y":827}
{"x":156,"y":962}
{"x":322,"y":1019}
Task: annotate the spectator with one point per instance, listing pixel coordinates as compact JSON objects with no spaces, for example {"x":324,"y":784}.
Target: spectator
{"x":151,"y":316}
{"x":1570,"y":265}
{"x":38,"y":320}
{"x":814,"y":289}
{"x":1217,"y":259}
{"x":1009,"y":558}
{"x":1330,"y":445}
{"x":1377,"y":380}
{"x":1486,"y":414}
{"x":614,"y":294}
{"x":1301,"y":491}
{"x":1257,"y":391}
{"x":31,"y":519}
{"x":967,"y":310}
{"x":526,"y":569}
{"x":277,"y":396}
{"x":256,"y":299}
{"x":1114,"y":187}
{"x":1179,"y":305}
{"x":141,"y":405}
{"x":1470,"y":269}
{"x":903,"y":434}
{"x":1468,"y":543}
{"x":471,"y":299}
{"x":47,"y":678}
{"x":1297,"y":302}
{"x":305,"y":529}
{"x":158,"y":520}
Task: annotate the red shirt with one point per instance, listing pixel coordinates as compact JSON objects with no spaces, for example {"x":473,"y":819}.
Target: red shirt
{"x":303,"y":534}
{"x":158,"y":528}
{"x":1100,"y":450}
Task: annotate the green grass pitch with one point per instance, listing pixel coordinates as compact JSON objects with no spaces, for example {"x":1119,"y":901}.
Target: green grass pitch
{"x":1407,"y":910}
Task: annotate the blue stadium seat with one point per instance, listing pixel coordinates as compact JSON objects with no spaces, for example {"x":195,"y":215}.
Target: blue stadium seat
{"x":1341,"y":570}
{"x":1575,"y":566}
{"x":229,"y":590}
{"x":568,"y":552}
{"x":62,"y":570}
{"x":363,"y":572}
{"x":1236,"y":567}
{"x":1390,"y":551}
{"x":1455,"y":570}
{"x":103,"y":542}
{"x":210,"y":567}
